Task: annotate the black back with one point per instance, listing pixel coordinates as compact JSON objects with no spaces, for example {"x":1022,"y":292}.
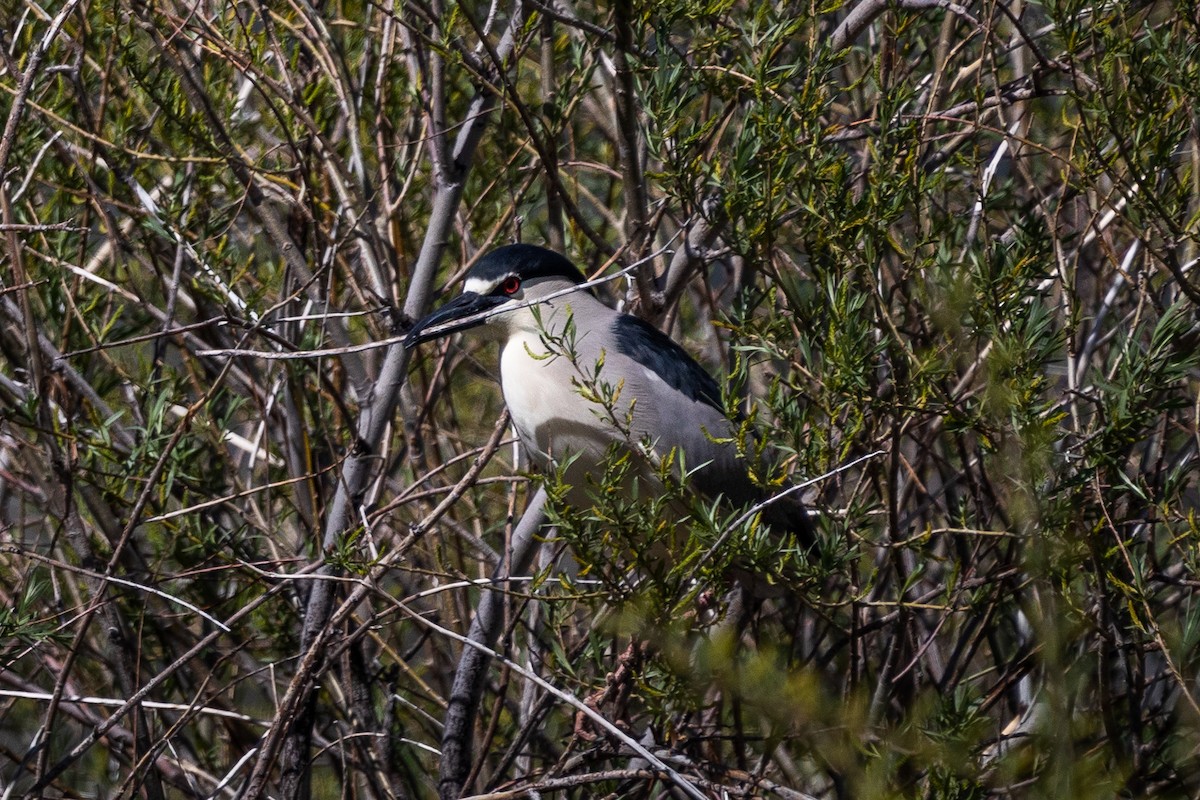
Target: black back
{"x":656,"y":351}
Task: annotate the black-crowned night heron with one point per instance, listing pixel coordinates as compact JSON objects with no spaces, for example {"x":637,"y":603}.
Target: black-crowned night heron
{"x":579,"y":377}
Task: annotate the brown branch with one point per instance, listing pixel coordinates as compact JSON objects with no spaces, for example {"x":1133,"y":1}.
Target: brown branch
{"x":629,"y":154}
{"x":471,"y":673}
{"x":867,"y":11}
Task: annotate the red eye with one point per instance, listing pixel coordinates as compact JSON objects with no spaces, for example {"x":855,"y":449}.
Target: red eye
{"x":511,"y":284}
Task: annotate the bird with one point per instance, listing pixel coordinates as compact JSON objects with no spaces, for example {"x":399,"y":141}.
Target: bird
{"x":581,"y":379}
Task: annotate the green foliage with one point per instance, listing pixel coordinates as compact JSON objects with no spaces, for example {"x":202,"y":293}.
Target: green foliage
{"x":21,"y":625}
{"x":960,"y":247}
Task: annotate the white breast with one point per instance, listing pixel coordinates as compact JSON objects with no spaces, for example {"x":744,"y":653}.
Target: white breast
{"x":542,"y":392}
{"x":525,"y":388}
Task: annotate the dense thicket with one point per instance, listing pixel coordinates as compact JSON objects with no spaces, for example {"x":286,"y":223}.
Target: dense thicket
{"x":942,"y":255}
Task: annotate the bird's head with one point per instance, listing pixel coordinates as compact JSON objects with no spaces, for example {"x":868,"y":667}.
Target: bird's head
{"x":507,"y":279}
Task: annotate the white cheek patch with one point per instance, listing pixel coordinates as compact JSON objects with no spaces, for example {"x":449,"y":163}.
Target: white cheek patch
{"x":479,"y":285}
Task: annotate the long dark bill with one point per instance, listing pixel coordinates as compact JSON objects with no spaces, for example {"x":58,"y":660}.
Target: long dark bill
{"x":464,"y":311}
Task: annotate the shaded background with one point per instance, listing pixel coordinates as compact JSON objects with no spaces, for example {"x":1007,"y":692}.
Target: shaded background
{"x":962,"y":238}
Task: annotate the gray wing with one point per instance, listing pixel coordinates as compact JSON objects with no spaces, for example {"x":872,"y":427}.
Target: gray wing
{"x":692,"y":416}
